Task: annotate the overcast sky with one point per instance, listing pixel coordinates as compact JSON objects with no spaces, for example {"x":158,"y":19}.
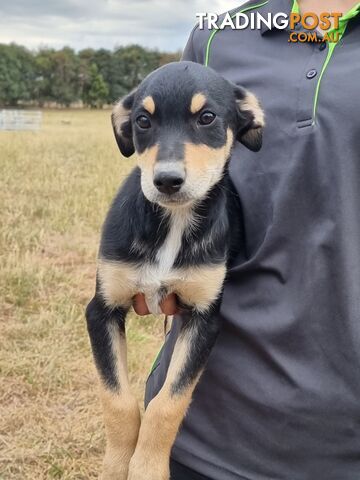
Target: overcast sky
{"x":164,"y":24}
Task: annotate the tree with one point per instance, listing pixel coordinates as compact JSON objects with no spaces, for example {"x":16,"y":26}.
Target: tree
{"x":95,"y":91}
{"x":64,"y":76}
{"x":103,"y":60}
{"x":130,"y":65}
{"x":65,"y":82}
{"x":44,"y":70}
{"x":169,"y":57}
{"x":17,"y":74}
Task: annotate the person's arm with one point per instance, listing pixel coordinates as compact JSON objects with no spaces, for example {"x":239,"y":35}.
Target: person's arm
{"x":189,"y":51}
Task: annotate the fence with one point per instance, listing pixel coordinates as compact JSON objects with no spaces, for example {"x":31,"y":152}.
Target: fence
{"x":20,"y":120}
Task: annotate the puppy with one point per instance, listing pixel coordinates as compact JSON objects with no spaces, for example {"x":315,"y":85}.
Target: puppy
{"x":173,"y":227}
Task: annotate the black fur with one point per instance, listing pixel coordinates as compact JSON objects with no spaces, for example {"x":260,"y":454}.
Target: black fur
{"x":205,"y":329}
{"x":133,"y":219}
{"x":136,"y":227}
{"x":99,"y":317}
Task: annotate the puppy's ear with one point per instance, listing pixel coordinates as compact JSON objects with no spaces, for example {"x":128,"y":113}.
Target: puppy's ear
{"x":251,"y":119}
{"x":121,"y":123}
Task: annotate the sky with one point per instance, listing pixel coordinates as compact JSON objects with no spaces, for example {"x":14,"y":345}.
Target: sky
{"x":162,"y":24}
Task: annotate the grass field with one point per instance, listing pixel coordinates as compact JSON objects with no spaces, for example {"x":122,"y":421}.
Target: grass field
{"x":55,"y":187}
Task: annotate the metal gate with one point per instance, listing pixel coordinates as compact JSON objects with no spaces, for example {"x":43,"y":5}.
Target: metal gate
{"x":20,"y":119}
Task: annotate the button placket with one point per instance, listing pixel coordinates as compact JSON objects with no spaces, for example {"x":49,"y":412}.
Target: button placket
{"x":308,"y":84}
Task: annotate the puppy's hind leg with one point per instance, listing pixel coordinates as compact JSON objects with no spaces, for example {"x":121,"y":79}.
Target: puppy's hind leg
{"x":166,"y":411}
{"x":106,"y":329}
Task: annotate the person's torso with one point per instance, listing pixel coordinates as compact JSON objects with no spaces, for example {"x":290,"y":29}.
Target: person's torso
{"x":279,"y":398}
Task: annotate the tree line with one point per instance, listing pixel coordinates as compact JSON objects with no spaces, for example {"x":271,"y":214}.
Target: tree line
{"x":93,"y":77}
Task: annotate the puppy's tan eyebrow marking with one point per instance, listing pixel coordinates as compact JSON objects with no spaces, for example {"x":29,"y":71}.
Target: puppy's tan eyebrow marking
{"x":197,"y":102}
{"x":149,"y":104}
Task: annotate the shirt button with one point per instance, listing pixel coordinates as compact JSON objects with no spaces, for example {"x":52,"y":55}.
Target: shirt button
{"x":311,"y":74}
{"x":322,"y":46}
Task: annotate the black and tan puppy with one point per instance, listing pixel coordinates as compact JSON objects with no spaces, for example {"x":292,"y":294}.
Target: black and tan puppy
{"x":173,"y":227}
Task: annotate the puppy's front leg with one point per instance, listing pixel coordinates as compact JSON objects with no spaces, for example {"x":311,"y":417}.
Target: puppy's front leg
{"x":106,"y":329}
{"x":166,"y":411}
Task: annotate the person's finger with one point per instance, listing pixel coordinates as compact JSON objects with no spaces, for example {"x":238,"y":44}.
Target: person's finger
{"x":169,"y":305}
{"x":139,"y":304}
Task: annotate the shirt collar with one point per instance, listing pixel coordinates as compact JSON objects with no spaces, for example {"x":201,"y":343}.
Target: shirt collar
{"x":286,"y":6}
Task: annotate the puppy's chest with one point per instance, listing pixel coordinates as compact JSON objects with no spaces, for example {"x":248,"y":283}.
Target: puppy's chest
{"x":160,"y":276}
{"x":173,"y":269}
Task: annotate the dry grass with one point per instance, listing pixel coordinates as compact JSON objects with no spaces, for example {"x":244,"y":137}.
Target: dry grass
{"x":55,"y":187}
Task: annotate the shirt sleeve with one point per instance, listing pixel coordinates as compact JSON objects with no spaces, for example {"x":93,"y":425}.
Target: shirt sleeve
{"x":194,"y":50}
{"x":189,"y":52}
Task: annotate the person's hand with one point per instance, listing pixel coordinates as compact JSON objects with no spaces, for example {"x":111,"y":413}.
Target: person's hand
{"x":168,"y":306}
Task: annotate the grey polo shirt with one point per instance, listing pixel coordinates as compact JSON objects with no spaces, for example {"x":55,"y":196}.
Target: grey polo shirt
{"x":280,"y":396}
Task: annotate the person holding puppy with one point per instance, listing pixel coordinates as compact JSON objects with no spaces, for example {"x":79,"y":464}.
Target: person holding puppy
{"x":279,"y":398}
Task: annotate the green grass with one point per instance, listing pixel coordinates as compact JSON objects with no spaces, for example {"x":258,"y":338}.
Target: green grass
{"x":55,"y":188}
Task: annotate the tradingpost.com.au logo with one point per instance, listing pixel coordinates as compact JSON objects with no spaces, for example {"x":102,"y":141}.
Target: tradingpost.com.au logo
{"x":328,"y":22}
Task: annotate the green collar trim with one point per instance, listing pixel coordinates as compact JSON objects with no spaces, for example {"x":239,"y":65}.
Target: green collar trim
{"x":214,"y":32}
{"x":352,"y":13}
{"x":343,"y":23}
{"x":295,"y":7}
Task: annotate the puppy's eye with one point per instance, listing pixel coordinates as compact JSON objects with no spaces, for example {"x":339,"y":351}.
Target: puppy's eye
{"x":143,"y":121}
{"x":206,"y":118}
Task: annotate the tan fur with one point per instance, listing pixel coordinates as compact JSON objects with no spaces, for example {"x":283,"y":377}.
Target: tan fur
{"x":117,"y":282}
{"x":158,"y":431}
{"x":200,"y":158}
{"x":121,"y":414}
{"x":161,"y":422}
{"x":204,"y":165}
{"x":251,"y":103}
{"x":122,"y":424}
{"x":197,"y":102}
{"x":120,"y":115}
{"x":168,"y":320}
{"x":177,"y":362}
{"x":201,"y":285}
{"x":149,"y":104}
{"x":118,"y":342}
{"x":146,"y":161}
{"x":196,"y":286}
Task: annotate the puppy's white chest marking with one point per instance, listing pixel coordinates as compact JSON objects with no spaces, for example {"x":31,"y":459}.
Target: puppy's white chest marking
{"x":161,"y":274}
{"x":167,"y":253}
{"x":198,"y":285}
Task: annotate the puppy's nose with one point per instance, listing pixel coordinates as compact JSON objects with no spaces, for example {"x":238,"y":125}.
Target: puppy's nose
{"x":168,"y":182}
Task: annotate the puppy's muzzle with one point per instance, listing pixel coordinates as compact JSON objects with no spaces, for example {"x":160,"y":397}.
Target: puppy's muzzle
{"x":168,"y":182}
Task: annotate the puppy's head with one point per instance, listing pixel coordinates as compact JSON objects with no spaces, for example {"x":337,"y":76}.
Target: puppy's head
{"x":182,"y":122}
